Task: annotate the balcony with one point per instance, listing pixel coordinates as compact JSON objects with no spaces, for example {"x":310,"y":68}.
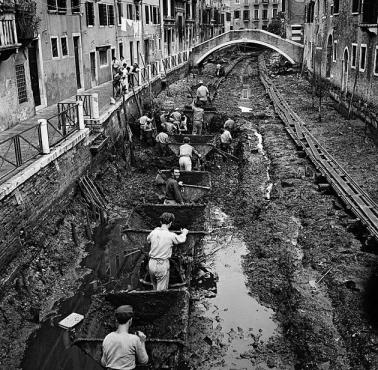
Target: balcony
{"x":8,"y":35}
{"x":169,"y":21}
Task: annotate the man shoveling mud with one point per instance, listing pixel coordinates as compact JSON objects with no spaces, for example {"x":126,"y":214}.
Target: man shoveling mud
{"x":162,"y":240}
{"x":172,"y":189}
{"x":186,"y":154}
{"x":121,"y":349}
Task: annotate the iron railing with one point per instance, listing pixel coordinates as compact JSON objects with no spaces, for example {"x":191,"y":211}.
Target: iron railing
{"x":64,"y":123}
{"x":19,"y":149}
{"x":87,"y":104}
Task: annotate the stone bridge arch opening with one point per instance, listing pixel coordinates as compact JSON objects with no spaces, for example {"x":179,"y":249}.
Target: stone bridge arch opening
{"x":241,"y":42}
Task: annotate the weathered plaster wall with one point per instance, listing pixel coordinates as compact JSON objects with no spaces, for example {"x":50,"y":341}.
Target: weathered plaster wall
{"x":11,"y":112}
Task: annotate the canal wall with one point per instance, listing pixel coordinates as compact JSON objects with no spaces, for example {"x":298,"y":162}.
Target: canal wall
{"x":34,"y":194}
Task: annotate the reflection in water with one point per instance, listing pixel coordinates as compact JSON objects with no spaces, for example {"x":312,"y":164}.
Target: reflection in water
{"x":237,"y":316}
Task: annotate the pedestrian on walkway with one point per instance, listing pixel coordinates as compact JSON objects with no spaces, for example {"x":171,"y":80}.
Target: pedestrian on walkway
{"x":162,"y":240}
{"x":121,"y":350}
{"x":172,"y":191}
{"x":116,"y":64}
{"x":198,"y":114}
{"x":186,"y":153}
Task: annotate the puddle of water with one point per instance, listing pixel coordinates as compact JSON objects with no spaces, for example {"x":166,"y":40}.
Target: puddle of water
{"x":240,"y":319}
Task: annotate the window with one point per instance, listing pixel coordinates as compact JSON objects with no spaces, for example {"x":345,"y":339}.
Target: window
{"x":21,"y":83}
{"x":228,"y":17}
{"x":89,"y":11}
{"x":147,"y":13}
{"x":137,"y":13}
{"x":336,"y":4}
{"x":57,"y":5}
{"x":274,"y":12}
{"x":129,"y":11}
{"x":310,"y":12}
{"x":370,"y":11}
{"x":236,"y":14}
{"x":119,"y":12}
{"x":237,"y":1}
{"x":64,"y":46}
{"x":54,"y":47}
{"x":324,"y":7}
{"x":335,"y":51}
{"x":102,"y":13}
{"x":75,"y":6}
{"x":155,"y":18}
{"x":103,"y":54}
{"x":362,"y":58}
{"x":256,"y":14}
{"x":111,"y":15}
{"x":265,"y":14}
{"x":120,"y":48}
{"x":353,"y":61}
{"x":356,"y":6}
{"x":246,"y":15}
{"x":246,"y":2}
{"x":376,"y":62}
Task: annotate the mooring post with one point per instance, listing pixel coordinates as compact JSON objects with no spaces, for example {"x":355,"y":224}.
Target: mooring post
{"x":95,"y":109}
{"x":44,"y":136}
{"x":80,"y":114}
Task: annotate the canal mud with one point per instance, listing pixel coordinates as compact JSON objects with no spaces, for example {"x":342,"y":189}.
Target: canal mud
{"x":282,"y":281}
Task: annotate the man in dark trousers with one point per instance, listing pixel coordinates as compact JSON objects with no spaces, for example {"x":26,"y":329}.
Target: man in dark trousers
{"x":121,"y":350}
{"x":172,"y":190}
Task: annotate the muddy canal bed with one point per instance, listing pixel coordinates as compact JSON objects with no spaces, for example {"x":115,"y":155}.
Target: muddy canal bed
{"x":281,"y":281}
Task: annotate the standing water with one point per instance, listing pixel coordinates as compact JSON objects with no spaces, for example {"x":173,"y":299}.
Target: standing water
{"x":239,"y":321}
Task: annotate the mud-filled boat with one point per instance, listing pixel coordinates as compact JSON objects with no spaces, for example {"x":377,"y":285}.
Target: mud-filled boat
{"x":129,"y":257}
{"x":196,"y":139}
{"x":162,"y":316}
{"x":196,"y":184}
{"x":202,"y":148}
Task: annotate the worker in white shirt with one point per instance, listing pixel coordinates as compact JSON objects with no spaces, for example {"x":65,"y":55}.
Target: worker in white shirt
{"x":162,"y":140}
{"x":162,"y":240}
{"x":121,"y":350}
{"x":225,"y":140}
{"x":203,"y":94}
{"x":186,"y":154}
{"x":145,"y":125}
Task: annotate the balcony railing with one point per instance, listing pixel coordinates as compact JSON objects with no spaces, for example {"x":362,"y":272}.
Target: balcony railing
{"x":8,"y":36}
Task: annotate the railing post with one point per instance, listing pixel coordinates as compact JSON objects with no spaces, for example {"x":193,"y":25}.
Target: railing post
{"x":95,"y":110}
{"x":139,"y":77}
{"x":44,"y":135}
{"x":149,"y":72}
{"x":80,"y":115}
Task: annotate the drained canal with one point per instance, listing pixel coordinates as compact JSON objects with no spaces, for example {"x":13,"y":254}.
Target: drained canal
{"x":269,"y":233}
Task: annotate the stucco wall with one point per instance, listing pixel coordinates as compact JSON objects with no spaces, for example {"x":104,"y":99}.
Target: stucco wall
{"x":11,"y":112}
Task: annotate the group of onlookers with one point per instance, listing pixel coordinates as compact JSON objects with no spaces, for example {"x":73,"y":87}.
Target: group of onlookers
{"x":124,"y":76}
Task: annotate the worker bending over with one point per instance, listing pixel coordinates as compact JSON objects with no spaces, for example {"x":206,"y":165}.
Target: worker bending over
{"x":162,"y":240}
{"x":186,"y":153}
{"x":203,"y":94}
{"x":225,"y":140}
{"x":172,"y":190}
{"x":198,"y":114}
{"x":121,"y":350}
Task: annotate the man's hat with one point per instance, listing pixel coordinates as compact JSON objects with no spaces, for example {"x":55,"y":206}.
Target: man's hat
{"x":200,"y":82}
{"x":125,"y":309}
{"x":177,"y":109}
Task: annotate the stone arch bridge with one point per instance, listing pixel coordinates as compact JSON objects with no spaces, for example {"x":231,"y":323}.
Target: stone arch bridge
{"x":291,"y":50}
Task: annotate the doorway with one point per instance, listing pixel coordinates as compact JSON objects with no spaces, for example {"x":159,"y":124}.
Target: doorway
{"x":131,"y":53}
{"x":76,"y":42}
{"x":138,"y":52}
{"x":34,"y":74}
{"x":147,"y":51}
{"x":92,"y":56}
{"x":329,"y":56}
{"x":344,"y":86}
